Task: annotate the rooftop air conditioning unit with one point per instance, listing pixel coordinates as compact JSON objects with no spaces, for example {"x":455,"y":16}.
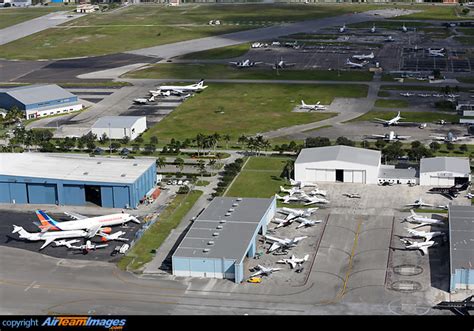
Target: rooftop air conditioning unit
{"x":210,"y":243}
{"x":219,"y":227}
{"x":239,"y":199}
{"x":222,"y":221}
{"x":227,"y":214}
{"x":215,"y":234}
{"x":235,"y":204}
{"x":231,"y":210}
{"x":206,"y":250}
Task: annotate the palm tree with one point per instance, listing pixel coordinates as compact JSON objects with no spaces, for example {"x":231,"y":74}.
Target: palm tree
{"x":179,"y":163}
{"x":289,"y":166}
{"x":226,"y":139}
{"x":161,"y":162}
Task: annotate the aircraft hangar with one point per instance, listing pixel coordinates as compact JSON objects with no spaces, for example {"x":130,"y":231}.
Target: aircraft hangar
{"x":338,"y":164}
{"x":40,"y":178}
{"x":447,"y":171}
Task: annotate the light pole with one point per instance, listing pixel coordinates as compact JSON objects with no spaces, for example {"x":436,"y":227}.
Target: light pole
{"x":110,"y":143}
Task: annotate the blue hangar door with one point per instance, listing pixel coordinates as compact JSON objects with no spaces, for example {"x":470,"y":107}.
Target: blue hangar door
{"x":42,"y":193}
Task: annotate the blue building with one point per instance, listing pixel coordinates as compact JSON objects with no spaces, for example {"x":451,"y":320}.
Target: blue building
{"x":39,"y":178}
{"x":221,"y":237}
{"x":39,"y":100}
{"x":461,"y":240}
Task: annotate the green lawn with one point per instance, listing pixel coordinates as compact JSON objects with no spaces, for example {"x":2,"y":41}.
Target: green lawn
{"x":223,"y":71}
{"x":260,"y":178}
{"x":237,"y":109}
{"x":425,"y":117}
{"x":383,"y":94}
{"x":219,"y":53}
{"x":150,"y":25}
{"x":12,"y":16}
{"x":390,"y":103}
{"x":468,"y":41}
{"x":419,"y":88}
{"x":388,"y":25}
{"x":430,"y":12}
{"x":158,"y":232}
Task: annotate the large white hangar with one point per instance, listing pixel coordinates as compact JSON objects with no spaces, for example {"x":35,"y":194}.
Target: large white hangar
{"x":338,"y":164}
{"x":444,"y":171}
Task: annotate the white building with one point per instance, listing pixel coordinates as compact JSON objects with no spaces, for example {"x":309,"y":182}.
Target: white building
{"x":118,"y":127}
{"x":338,"y":164}
{"x":444,"y":171}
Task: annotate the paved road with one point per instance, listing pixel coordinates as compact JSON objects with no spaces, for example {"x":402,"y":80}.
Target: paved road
{"x":35,"y":25}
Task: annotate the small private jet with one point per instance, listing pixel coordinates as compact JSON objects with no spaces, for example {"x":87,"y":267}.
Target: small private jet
{"x":303,"y":222}
{"x":407,"y":94}
{"x":264,"y":271}
{"x":342,"y":29}
{"x":419,"y":204}
{"x":424,"y":95}
{"x":302,"y":184}
{"x":286,"y":243}
{"x":404,"y":28}
{"x":49,"y":237}
{"x":355,"y":65}
{"x":422,"y":234}
{"x":294,"y":262}
{"x":421,"y":220}
{"x":422,"y":246}
{"x":391,"y":136}
{"x":436,"y":52}
{"x":364,"y":56}
{"x":245,"y":64}
{"x":352,"y":195}
{"x":291,"y":212}
{"x":373,"y":29}
{"x":450,"y":192}
{"x":389,"y":39}
{"x":316,"y":106}
{"x":450,"y":137}
{"x":143,"y":101}
{"x":317,"y":191}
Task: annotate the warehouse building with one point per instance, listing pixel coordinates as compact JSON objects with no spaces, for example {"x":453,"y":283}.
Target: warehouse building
{"x":39,"y":178}
{"x":221,"y":237}
{"x":118,"y":127}
{"x":447,"y":171}
{"x":338,"y":164}
{"x":391,"y":174}
{"x":461,"y":241}
{"x":39,"y":100}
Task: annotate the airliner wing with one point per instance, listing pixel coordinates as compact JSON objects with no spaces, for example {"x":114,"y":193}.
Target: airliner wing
{"x":47,"y":242}
{"x":420,"y":225}
{"x":92,"y":231}
{"x":377,"y":136}
{"x":292,"y":264}
{"x":274,"y":246}
{"x":75,"y":216}
{"x":403,"y":137}
{"x":380,"y":120}
{"x":424,"y":250}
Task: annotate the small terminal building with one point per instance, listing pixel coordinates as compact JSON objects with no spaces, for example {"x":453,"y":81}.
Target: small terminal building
{"x":39,"y":100}
{"x":118,"y":127}
{"x":444,"y":171}
{"x":221,"y":237}
{"x":461,"y":242}
{"x":40,"y":178}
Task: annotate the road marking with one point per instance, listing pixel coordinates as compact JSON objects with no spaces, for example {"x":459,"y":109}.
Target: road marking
{"x":30,"y":286}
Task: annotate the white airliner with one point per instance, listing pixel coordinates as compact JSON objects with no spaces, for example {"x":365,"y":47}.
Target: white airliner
{"x":245,"y":64}
{"x":49,"y":237}
{"x":264,"y":271}
{"x":282,"y":243}
{"x":391,"y":136}
{"x":364,"y":56}
{"x":356,"y":65}
{"x":293,"y":261}
{"x":422,"y":234}
{"x":198,"y":87}
{"x":84,"y":222}
{"x":342,"y":28}
{"x":422,"y":246}
{"x":421,"y":220}
{"x":450,"y":138}
{"x":407,"y":94}
{"x":373,"y":29}
{"x":393,"y":121}
{"x":316,"y":106}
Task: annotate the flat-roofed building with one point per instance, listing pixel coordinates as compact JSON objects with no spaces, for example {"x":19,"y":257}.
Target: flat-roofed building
{"x":118,"y":127}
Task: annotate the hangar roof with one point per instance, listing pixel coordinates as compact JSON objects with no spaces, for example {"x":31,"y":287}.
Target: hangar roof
{"x":392,"y":172}
{"x":451,"y":164}
{"x":233,"y":236}
{"x":461,"y":237}
{"x":116,"y":122}
{"x":31,"y":94}
{"x":73,"y":167}
{"x":340,"y":153}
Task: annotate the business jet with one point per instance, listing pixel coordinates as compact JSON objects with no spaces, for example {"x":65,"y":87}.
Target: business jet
{"x":452,"y":95}
{"x":389,"y":39}
{"x":312,"y":200}
{"x":67,"y":243}
{"x":291,"y":212}
{"x":50,"y":237}
{"x":245,"y":64}
{"x":288,"y":198}
{"x":450,"y":138}
{"x":141,"y":101}
{"x":391,"y":136}
{"x":421,"y":220}
{"x":419,"y":203}
{"x":407,"y":94}
{"x":343,"y":28}
{"x":301,"y":184}
{"x":393,"y":121}
{"x":281,"y":64}
{"x":88,"y":246}
{"x":364,"y":56}
{"x":83,"y":222}
{"x":304,"y":222}
{"x":264,"y":271}
{"x":356,"y":65}
{"x":424,"y":95}
{"x":197,"y":87}
{"x":277,"y":243}
{"x":437,"y":95}
{"x":159,"y":93}
{"x":316,"y":106}
{"x":422,"y":234}
{"x":293,"y":261}
{"x":291,"y":191}
{"x":352,"y":195}
{"x":372,"y":30}
{"x":450,"y":192}
{"x":404,"y":28}
{"x":437,"y":53}
{"x":317,"y":191}
{"x":422,"y":246}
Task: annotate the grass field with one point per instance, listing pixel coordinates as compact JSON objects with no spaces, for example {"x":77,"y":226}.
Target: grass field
{"x":390,"y":103}
{"x":425,"y":117}
{"x":158,"y":232}
{"x":420,"y":88}
{"x":237,"y":109}
{"x":219,"y":53}
{"x":12,"y":16}
{"x":468,"y":41}
{"x":223,"y":71}
{"x":260,"y":178}
{"x":151,"y":25}
{"x":430,"y":12}
{"x":388,"y":25}
{"x":383,"y":94}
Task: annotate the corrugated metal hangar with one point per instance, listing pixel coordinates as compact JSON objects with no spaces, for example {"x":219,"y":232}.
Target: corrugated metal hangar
{"x":447,"y":171}
{"x":221,"y":237}
{"x":338,"y":164}
{"x":40,"y":178}
{"x":118,"y":127}
{"x":461,"y":241}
